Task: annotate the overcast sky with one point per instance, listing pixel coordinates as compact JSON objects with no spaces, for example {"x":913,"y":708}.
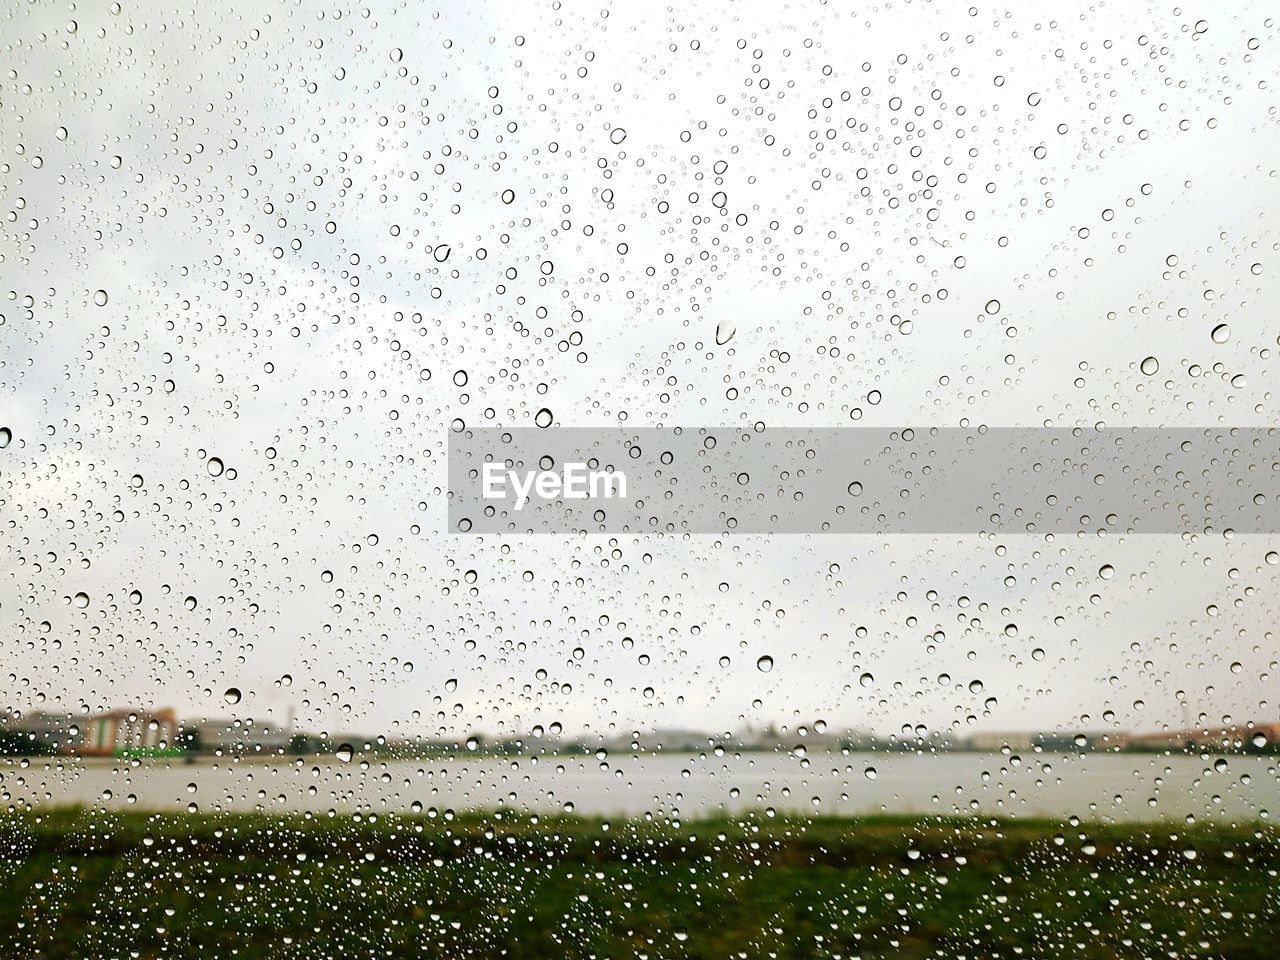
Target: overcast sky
{"x":257,"y":258}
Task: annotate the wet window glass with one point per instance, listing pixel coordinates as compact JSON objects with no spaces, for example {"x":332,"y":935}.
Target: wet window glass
{"x":621,"y":480}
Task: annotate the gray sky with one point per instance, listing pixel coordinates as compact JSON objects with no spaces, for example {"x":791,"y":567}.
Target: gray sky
{"x":325,"y":233}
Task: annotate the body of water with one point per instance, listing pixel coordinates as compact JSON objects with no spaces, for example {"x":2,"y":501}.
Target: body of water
{"x":1122,"y":787}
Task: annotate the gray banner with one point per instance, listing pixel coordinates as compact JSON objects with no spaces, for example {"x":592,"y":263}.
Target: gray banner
{"x":720,"y":480}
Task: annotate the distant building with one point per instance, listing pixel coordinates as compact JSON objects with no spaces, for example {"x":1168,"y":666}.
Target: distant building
{"x":1248,"y":737}
{"x":240,"y":736}
{"x":130,"y":733}
{"x":996,"y":742}
{"x":1081,"y":740}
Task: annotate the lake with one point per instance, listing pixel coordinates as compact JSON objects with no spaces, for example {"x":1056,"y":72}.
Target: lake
{"x":1121,"y":787}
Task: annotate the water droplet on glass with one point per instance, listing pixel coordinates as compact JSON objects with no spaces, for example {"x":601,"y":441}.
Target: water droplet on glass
{"x":1150,"y":366}
{"x":232,"y":695}
{"x":214,"y":466}
{"x":100,"y":297}
{"x":1221,"y":333}
{"x":764,"y":664}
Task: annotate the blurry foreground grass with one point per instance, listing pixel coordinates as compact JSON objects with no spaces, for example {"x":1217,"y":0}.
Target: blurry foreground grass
{"x":77,"y":883}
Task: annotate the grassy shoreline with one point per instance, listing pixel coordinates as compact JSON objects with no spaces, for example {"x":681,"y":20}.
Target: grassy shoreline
{"x":79,"y":882}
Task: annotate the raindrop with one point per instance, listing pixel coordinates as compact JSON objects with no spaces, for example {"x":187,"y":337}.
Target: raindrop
{"x":1106,"y":571}
{"x":617,"y":135}
{"x":214,"y":466}
{"x":345,"y":752}
{"x":543,"y":417}
{"x":1150,"y":366}
{"x":6,"y":437}
{"x":1221,"y":333}
{"x":724,"y":332}
{"x":764,"y":664}
{"x":441,"y":252}
{"x":81,"y":600}
{"x":992,"y":307}
{"x":100,"y":297}
{"x":232,"y":695}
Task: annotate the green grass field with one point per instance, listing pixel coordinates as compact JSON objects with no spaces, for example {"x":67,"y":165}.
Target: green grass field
{"x":76,"y":883}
